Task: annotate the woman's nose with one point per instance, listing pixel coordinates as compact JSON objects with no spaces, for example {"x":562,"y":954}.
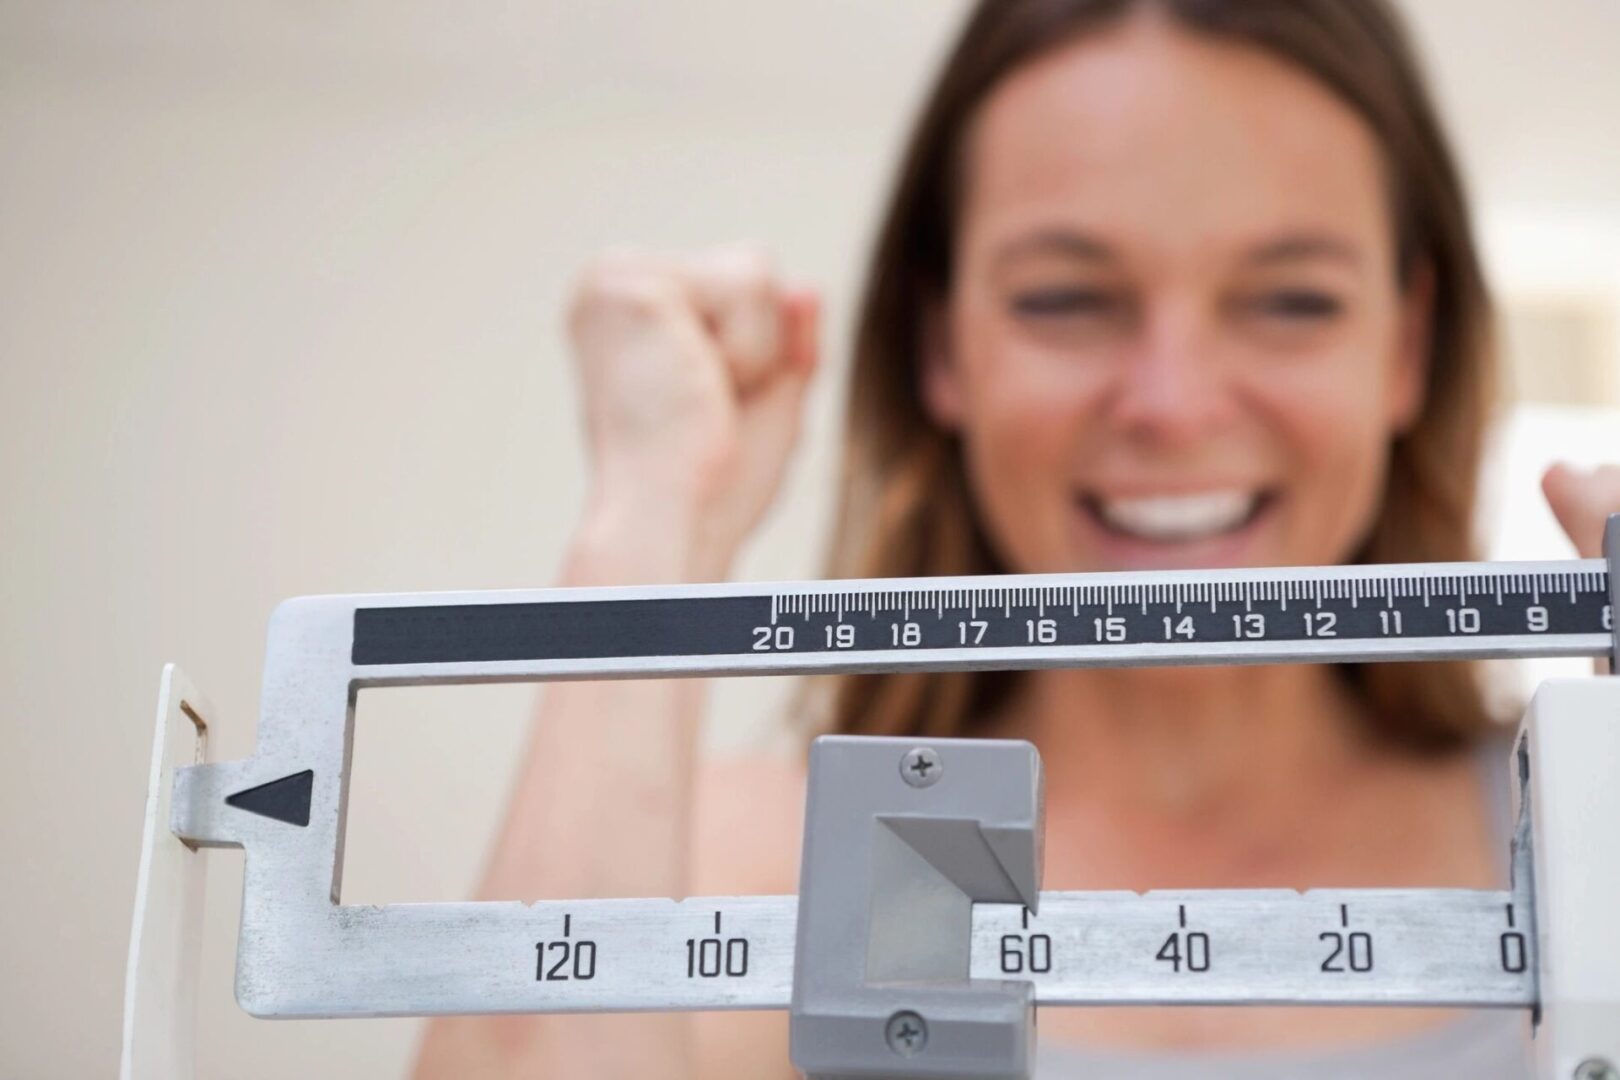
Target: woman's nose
{"x":1171,"y":387}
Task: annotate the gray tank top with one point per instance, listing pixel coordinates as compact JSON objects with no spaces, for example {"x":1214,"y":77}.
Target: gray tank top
{"x":1481,"y":1044}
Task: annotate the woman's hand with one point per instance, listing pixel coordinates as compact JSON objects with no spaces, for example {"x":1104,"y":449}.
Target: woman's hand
{"x":1582,"y":500}
{"x":693,"y":371}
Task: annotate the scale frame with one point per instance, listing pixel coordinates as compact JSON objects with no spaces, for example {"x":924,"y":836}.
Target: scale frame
{"x":302,"y":953}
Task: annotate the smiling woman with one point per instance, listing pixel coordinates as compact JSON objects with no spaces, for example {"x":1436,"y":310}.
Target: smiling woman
{"x":1231,"y":315}
{"x":1185,"y":283}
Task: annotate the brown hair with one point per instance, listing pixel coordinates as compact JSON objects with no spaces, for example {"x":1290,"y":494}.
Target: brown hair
{"x":905,"y":507}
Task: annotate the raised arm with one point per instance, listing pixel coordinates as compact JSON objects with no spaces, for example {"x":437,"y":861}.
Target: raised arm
{"x":693,"y":371}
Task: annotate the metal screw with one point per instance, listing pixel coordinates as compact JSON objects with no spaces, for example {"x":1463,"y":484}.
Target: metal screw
{"x":921,"y":766}
{"x":1590,"y":1069}
{"x":907,"y":1033}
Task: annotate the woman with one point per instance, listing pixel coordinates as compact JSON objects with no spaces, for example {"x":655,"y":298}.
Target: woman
{"x":1185,"y":283}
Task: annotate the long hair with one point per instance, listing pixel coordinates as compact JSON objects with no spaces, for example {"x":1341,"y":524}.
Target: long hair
{"x":905,"y":509}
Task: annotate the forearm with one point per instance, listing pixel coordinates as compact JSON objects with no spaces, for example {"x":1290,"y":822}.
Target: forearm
{"x":602,"y":804}
{"x":602,"y":807}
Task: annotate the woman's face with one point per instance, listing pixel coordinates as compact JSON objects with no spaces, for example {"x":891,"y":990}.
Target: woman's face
{"x":1175,"y":335}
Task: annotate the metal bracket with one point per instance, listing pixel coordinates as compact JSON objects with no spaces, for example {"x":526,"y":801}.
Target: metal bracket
{"x":900,"y":840}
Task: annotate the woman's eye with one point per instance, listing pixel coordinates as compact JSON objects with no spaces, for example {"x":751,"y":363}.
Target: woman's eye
{"x":1065,"y":301}
{"x":1296,"y":305}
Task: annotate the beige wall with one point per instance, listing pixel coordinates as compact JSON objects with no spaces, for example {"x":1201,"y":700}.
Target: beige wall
{"x":278,"y":294}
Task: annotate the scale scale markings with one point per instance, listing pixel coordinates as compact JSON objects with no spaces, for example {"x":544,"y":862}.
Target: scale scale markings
{"x":1344,"y":946}
{"x":1439,"y":946}
{"x":873,"y":627}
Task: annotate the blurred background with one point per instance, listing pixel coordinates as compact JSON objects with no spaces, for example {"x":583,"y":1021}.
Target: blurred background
{"x":279,"y":295}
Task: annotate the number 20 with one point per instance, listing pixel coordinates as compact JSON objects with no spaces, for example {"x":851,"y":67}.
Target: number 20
{"x":773,"y":638}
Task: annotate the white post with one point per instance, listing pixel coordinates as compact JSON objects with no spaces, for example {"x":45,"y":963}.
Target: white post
{"x":1571,"y":734}
{"x":160,"y":982}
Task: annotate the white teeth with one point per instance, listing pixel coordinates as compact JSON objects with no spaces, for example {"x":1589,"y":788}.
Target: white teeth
{"x":1179,"y":517}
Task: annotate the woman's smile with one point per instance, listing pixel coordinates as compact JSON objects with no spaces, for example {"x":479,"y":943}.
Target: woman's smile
{"x":1184,"y":526}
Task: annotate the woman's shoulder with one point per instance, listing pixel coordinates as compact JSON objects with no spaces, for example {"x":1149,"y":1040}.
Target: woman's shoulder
{"x":748,"y":818}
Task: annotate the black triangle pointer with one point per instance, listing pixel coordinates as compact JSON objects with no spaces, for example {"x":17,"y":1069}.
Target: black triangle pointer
{"x":286,"y":799}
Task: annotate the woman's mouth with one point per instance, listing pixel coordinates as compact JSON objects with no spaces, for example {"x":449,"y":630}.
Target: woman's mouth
{"x":1177,"y":519}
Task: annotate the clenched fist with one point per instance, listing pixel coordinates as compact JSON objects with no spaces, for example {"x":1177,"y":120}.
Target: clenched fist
{"x":693,"y":370}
